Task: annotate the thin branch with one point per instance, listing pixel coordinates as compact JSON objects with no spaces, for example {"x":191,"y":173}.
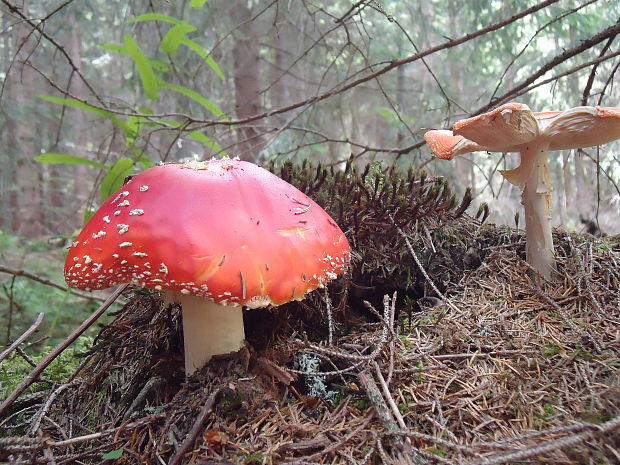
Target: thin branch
{"x":59,"y":349}
{"x":584,"y":45}
{"x":196,"y":428}
{"x":17,"y":11}
{"x":23,"y":337}
{"x":47,"y":282}
{"x":547,"y":446}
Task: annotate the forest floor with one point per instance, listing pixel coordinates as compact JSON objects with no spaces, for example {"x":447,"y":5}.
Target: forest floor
{"x":438,"y":346}
{"x":496,"y":369}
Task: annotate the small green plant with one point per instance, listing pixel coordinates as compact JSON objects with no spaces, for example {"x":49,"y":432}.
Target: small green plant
{"x":549,"y":410}
{"x":406,"y":342}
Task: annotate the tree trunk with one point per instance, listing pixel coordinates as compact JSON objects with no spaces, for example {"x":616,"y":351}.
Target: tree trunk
{"x":26,"y":197}
{"x":246,"y":78}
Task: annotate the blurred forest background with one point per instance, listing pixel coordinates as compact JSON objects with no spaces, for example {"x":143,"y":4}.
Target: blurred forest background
{"x":94,"y":90}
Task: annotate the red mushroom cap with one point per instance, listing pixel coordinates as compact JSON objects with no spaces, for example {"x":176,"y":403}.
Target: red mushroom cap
{"x":226,"y":230}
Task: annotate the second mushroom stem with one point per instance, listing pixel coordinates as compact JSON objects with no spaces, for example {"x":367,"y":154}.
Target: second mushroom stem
{"x":533,"y":175}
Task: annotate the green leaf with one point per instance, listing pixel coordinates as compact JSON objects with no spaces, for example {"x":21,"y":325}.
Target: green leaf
{"x":135,"y":123}
{"x":204,"y":55}
{"x":174,"y":36}
{"x":88,"y":214}
{"x":66,"y":159}
{"x":113,"y":181}
{"x":147,"y":76}
{"x":159,"y":65}
{"x":113,"y":454}
{"x":114,"y":48}
{"x":155,"y":17}
{"x":70,"y":102}
{"x":205,"y":102}
{"x":197,"y":3}
{"x":170,"y":44}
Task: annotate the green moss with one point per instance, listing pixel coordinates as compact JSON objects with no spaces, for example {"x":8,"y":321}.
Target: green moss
{"x":14,"y":369}
{"x":550,"y":350}
{"x":361,"y":404}
{"x":437,"y":451}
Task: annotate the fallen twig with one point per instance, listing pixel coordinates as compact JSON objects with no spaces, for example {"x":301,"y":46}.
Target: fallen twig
{"x":193,"y":433}
{"x":59,"y":349}
{"x":23,"y":337}
{"x":552,"y":444}
{"x":386,"y":418}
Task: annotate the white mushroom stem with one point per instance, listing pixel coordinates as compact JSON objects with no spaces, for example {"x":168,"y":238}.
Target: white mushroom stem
{"x":208,"y":329}
{"x":533,"y":176}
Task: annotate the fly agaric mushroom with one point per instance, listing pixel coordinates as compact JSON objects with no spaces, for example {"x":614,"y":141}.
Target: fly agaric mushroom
{"x":513,"y":127}
{"x":214,"y":236}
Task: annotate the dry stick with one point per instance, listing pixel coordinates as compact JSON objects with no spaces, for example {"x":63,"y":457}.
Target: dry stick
{"x":383,"y":412}
{"x":193,"y":434}
{"x":25,"y":444}
{"x":48,"y":403}
{"x":548,"y":446}
{"x":59,"y":349}
{"x":23,"y":337}
{"x":388,"y":396}
{"x":47,"y":282}
{"x":417,"y":261}
{"x":338,"y":444}
{"x":330,"y":319}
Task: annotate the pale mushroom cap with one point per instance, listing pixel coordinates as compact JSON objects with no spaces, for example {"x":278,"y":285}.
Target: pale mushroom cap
{"x":580,"y":127}
{"x":225,"y":230}
{"x":446,"y":145}
{"x":509,"y":127}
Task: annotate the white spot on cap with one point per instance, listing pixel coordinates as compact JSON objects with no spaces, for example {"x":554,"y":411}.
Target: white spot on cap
{"x":122,"y":228}
{"x":117,"y":212}
{"x":124,"y":203}
{"x":87,"y":259}
{"x":115,"y":255}
{"x":185,"y":291}
{"x":144,"y":188}
{"x":158,"y":288}
{"x":163,"y":268}
{"x":137,"y":211}
{"x":123,"y":262}
{"x":140,"y":254}
{"x":106,"y":219}
{"x":99,"y":234}
{"x":125,"y":244}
